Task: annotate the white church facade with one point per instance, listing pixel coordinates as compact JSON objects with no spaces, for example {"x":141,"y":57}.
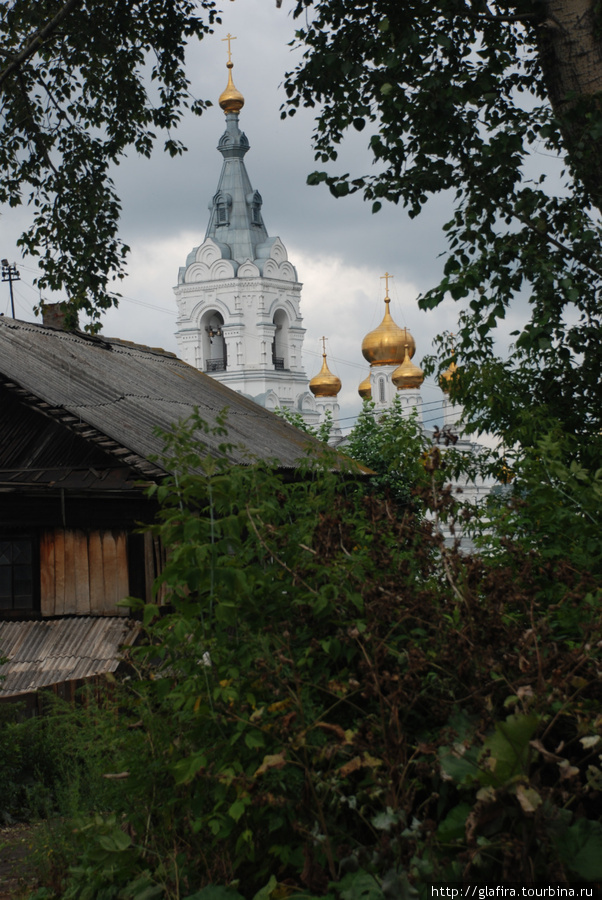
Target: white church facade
{"x":238,"y":295}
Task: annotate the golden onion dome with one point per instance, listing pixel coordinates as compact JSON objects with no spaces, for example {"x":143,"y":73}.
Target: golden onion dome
{"x":407,"y":375}
{"x":325,"y":384}
{"x":385,"y":345}
{"x":446,"y":378}
{"x":231,"y":100}
{"x":365,"y":388}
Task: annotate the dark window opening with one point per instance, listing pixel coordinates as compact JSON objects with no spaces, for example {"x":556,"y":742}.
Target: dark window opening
{"x":17,"y":574}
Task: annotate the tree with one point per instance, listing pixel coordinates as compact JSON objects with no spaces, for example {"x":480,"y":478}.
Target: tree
{"x":463,"y":95}
{"x":81,"y":81}
{"x":394,"y":446}
{"x":322,"y":431}
{"x":389,"y":442}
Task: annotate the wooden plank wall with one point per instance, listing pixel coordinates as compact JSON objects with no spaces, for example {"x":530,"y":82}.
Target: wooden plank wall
{"x":83,"y":573}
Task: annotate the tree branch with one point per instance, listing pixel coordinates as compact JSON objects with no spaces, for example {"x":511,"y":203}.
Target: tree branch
{"x":32,"y":127}
{"x":521,"y":17}
{"x":496,"y":17}
{"x":38,"y":38}
{"x":567,"y":251}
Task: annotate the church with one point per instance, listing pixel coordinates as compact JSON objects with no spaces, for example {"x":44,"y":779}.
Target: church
{"x":239,"y":317}
{"x":238,"y":294}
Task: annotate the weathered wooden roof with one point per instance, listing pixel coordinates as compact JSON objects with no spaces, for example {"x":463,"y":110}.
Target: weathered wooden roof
{"x":45,"y":652}
{"x":117,"y":394}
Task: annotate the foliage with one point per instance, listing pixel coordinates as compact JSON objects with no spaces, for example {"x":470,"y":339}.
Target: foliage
{"x":468,"y":97}
{"x":393,"y":445}
{"x":556,"y":503}
{"x":322,"y":431}
{"x":48,"y":765}
{"x":81,"y":82}
{"x":335,"y":705}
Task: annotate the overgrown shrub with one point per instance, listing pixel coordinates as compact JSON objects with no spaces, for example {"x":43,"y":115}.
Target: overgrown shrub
{"x":49,"y":764}
{"x":336,"y":705}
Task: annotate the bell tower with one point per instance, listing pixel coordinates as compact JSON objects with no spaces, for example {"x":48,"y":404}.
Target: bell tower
{"x":238,"y":295}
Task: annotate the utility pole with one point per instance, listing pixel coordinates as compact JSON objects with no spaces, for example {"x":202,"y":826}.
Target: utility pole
{"x":10,"y":274}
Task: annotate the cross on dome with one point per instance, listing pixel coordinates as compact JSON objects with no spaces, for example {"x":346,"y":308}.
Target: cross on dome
{"x":229,"y":37}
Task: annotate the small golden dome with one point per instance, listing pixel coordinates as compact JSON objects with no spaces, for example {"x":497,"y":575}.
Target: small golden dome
{"x":386,"y":344}
{"x":505,"y":474}
{"x":446,"y":378}
{"x":407,"y":375}
{"x":365,"y":388}
{"x":325,"y":384}
{"x":231,"y":100}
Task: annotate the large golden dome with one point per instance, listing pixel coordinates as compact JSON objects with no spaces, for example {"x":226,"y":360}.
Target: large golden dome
{"x":385,"y":346}
{"x":231,"y":100}
{"x":365,"y":388}
{"x":325,"y":384}
{"x":407,"y":375}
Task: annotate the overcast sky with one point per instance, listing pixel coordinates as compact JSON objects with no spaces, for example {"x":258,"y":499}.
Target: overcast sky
{"x":339,"y":248}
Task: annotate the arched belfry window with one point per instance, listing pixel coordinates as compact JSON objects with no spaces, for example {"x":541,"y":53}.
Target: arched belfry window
{"x":222,"y":204}
{"x":254,"y":201}
{"x":280,"y":344}
{"x":381,"y":390}
{"x":214,"y":347}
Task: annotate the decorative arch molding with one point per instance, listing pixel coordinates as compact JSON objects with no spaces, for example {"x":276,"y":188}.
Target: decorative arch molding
{"x":306,"y":402}
{"x":200,"y":310}
{"x":278,"y":251}
{"x":211,"y":250}
{"x":287,"y":307}
{"x":254,"y":202}
{"x":272,"y":400}
{"x":283,"y":271}
{"x":288,"y":272}
{"x":248,"y":269}
{"x":222,"y":205}
{"x":212,"y":263}
{"x":196,"y":272}
{"x":273,"y":248}
{"x":222,"y":269}
{"x":254,"y":197}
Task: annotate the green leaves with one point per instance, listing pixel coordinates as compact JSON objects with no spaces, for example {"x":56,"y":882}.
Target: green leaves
{"x":447,"y":116}
{"x":507,"y":753}
{"x":453,"y":827}
{"x":72,"y":104}
{"x":581,"y":849}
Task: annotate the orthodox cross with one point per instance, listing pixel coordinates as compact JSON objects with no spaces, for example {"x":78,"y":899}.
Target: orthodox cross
{"x":229,"y":38}
{"x":386,"y":276}
{"x":323,"y":339}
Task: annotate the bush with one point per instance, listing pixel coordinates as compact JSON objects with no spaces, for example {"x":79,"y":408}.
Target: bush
{"x":336,"y":705}
{"x":49,"y":764}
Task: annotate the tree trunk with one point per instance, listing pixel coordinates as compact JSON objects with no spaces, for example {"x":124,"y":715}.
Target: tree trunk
{"x":570,"y":48}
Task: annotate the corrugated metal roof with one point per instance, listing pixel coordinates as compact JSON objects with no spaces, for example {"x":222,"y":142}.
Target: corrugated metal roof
{"x":126,"y":391}
{"x":45,"y":652}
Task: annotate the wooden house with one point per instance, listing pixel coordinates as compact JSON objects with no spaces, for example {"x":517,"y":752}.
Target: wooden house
{"x":79,"y":443}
